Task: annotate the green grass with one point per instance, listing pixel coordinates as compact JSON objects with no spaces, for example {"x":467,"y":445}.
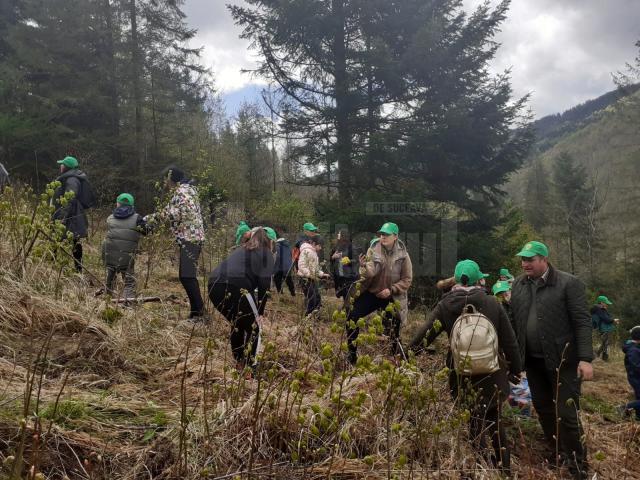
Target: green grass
{"x":592,"y":404}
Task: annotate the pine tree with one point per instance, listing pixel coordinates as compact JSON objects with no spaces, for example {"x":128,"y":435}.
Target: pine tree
{"x":537,"y":192}
{"x":579,"y":204}
{"x":110,"y":81}
{"x":396,"y":95}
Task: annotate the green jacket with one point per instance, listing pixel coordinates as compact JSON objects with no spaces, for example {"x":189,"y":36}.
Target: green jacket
{"x":602,"y":319}
{"x":563,"y":317}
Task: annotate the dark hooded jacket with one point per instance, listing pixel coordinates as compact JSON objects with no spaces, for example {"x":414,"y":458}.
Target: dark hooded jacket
{"x":124,"y":227}
{"x":283,"y":259}
{"x":632,"y":365}
{"x":72,"y":215}
{"x":247,"y":270}
{"x":564,"y":323}
{"x":447,"y":312}
{"x":602,"y":319}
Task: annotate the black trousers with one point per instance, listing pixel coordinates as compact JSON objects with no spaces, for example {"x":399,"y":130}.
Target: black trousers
{"x":278,"y":278}
{"x":77,"y":254}
{"x":484,"y":396}
{"x":188,"y":273}
{"x":311,"y":292}
{"x":543,"y":384}
{"x":343,"y":285}
{"x":234,"y":306}
{"x":365,"y":304}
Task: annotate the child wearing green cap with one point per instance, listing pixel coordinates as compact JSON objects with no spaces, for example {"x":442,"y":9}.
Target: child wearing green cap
{"x":124,"y":227}
{"x":243,"y":232}
{"x":310,"y":272}
{"x":602,"y":320}
{"x":502,"y":291}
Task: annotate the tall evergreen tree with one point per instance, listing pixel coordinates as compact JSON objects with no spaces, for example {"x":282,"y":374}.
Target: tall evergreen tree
{"x":575,"y":197}
{"x":537,"y":194}
{"x":399,"y":91}
{"x":111,"y":81}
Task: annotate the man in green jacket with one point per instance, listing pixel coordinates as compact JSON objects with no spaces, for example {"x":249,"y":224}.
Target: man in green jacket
{"x":553,"y":327}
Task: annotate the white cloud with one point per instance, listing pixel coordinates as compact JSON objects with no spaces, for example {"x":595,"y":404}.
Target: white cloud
{"x":223,"y":49}
{"x":561,"y":51}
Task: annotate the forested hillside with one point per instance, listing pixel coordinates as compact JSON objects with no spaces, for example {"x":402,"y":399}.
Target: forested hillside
{"x":581,"y":195}
{"x":140,"y":333}
{"x":552,"y":128}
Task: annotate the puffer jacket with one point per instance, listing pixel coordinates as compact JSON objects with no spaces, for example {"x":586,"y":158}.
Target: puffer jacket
{"x":124,"y":227}
{"x":632,"y":365}
{"x":72,"y":215}
{"x":388,"y":269}
{"x":309,"y":263}
{"x":563,"y":318}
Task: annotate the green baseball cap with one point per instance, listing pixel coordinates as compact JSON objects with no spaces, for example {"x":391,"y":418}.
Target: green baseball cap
{"x":504,"y":272}
{"x":271,"y":233}
{"x":533,"y":248}
{"x":69,"y":162}
{"x":500,"y":287}
{"x":125,"y":199}
{"x":604,"y":299}
{"x":241,"y":230}
{"x":471,"y":270}
{"x":310,"y":227}
{"x":389,"y":228}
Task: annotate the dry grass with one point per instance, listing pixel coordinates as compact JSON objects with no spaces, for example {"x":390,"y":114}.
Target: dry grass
{"x":144,"y":394}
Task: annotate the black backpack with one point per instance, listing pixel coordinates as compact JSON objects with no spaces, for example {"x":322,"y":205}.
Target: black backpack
{"x":86,"y":196}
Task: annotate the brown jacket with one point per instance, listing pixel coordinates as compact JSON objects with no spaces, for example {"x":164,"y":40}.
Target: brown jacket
{"x":392,"y":270}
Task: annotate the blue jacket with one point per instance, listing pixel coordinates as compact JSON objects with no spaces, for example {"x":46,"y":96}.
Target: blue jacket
{"x":283,"y":257}
{"x":601,"y":319}
{"x":632,"y":365}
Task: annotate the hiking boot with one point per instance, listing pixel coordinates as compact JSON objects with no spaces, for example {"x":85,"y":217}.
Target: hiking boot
{"x":199,"y":319}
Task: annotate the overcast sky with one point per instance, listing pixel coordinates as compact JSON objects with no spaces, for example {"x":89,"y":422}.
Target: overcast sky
{"x":561,"y":51}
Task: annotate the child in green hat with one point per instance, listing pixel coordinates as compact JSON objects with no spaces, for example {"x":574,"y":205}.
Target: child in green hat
{"x":124,"y":227}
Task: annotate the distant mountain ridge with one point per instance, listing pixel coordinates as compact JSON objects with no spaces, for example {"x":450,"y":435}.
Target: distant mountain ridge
{"x":550,"y":129}
{"x":603,"y":136}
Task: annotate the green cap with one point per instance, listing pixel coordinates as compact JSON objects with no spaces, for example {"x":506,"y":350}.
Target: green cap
{"x":471,"y":270}
{"x":69,"y":162}
{"x":241,"y":230}
{"x":310,"y":227}
{"x":504,"y":272}
{"x":271,"y":233}
{"x":125,"y":199}
{"x":604,"y":299}
{"x":389,"y":228}
{"x":500,"y":286}
{"x":533,"y":248}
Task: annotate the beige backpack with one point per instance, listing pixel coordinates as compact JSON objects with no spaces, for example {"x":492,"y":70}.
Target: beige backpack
{"x":474,"y":343}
